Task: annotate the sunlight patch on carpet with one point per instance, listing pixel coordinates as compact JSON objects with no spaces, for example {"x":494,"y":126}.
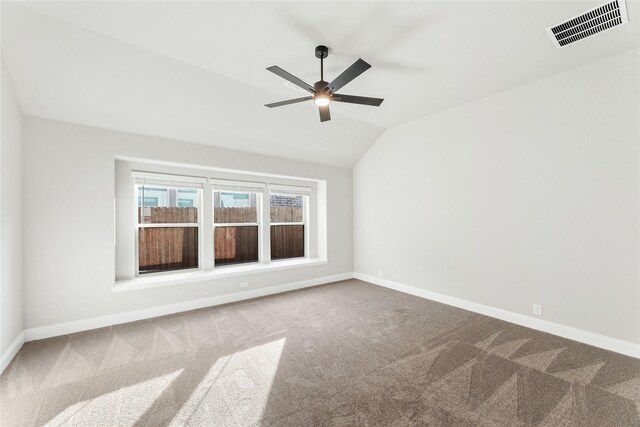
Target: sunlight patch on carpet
{"x":122,"y":407}
{"x":236,"y":388}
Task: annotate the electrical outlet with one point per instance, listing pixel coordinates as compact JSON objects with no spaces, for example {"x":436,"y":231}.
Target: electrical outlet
{"x":537,"y":309}
{"x":244,"y":284}
{"x":379,"y":273}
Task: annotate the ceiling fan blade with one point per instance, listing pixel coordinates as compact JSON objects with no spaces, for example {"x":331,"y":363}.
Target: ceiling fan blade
{"x":347,"y":75}
{"x":325,"y":115}
{"x":290,"y":77}
{"x":289,"y":101}
{"x":364,"y":100}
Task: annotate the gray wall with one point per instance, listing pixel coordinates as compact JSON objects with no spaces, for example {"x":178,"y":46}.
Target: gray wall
{"x":528,"y":196}
{"x":69,"y":209}
{"x":11,"y":284}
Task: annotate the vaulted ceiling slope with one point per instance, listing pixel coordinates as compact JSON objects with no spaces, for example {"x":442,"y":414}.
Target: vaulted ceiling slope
{"x":195,"y":71}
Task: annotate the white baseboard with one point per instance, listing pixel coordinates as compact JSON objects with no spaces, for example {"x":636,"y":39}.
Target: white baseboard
{"x":131,"y":316}
{"x":11,"y":352}
{"x":597,"y":340}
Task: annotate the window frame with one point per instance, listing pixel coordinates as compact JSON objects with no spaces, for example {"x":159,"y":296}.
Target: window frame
{"x":138,"y":225}
{"x":206,"y":225}
{"x":259,"y":206}
{"x":305,"y":218}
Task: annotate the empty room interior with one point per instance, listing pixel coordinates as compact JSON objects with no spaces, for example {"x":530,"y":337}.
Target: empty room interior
{"x":353,"y":213}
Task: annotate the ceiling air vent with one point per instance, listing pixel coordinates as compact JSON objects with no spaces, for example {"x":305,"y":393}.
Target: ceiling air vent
{"x":593,"y":21}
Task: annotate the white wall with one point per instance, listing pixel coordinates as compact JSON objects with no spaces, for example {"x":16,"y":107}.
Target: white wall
{"x":11,"y":284}
{"x":69,"y":209}
{"x":528,"y":196}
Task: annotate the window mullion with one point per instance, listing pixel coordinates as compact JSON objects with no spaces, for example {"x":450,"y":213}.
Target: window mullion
{"x":236,"y":224}
{"x":266,"y":228}
{"x":207,"y":228}
{"x":169,"y":224}
{"x":305,"y":223}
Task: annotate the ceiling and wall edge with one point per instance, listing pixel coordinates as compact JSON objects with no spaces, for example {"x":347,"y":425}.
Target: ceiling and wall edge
{"x":477,"y":100}
{"x":292,"y":133}
{"x":384,"y":130}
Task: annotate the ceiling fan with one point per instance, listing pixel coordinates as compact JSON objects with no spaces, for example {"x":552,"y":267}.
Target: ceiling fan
{"x":323,"y":93}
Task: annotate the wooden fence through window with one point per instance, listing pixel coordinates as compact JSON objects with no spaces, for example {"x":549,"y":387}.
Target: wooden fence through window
{"x":175,"y":248}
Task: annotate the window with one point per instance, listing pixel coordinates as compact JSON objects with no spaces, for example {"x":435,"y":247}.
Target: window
{"x":236,"y":227}
{"x":288,"y":219}
{"x":167,"y":223}
{"x":167,"y":231}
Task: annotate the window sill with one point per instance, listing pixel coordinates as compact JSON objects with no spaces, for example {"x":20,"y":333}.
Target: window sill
{"x":179,"y":278}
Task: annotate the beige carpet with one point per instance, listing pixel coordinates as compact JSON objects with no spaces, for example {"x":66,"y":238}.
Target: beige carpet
{"x":348,"y":353}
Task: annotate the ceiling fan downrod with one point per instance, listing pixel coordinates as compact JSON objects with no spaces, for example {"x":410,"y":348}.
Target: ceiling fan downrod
{"x":322,"y":52}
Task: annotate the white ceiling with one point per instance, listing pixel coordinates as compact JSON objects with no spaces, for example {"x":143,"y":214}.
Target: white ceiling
{"x":195,"y":71}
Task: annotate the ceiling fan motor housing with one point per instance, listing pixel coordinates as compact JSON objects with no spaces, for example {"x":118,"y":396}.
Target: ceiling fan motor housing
{"x":319,"y":85}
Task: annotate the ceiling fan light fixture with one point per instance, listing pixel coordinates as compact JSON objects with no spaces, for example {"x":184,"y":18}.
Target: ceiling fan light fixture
{"x":322,"y":99}
{"x":324,"y":93}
